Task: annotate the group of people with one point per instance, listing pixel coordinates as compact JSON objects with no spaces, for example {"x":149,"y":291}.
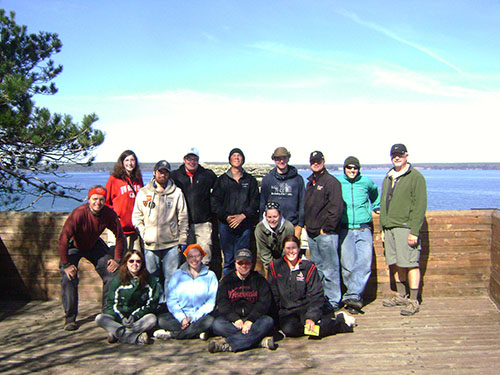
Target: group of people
{"x":163,"y":285}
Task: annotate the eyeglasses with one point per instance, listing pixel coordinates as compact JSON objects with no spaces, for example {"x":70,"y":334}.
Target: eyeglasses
{"x":194,"y":256}
{"x":243,"y":263}
{"x":352,"y":167}
{"x":131,"y":261}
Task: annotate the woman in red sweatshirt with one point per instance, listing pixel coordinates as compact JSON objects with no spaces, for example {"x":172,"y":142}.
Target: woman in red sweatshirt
{"x":123,"y":185}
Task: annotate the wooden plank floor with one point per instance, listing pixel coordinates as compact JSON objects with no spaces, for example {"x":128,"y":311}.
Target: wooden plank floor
{"x":453,"y":335}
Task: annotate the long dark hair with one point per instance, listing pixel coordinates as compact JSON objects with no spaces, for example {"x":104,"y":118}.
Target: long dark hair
{"x":124,"y":274}
{"x":119,"y":170}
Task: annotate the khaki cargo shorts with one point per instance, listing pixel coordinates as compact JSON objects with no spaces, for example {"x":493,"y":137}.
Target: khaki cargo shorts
{"x":397,"y":251}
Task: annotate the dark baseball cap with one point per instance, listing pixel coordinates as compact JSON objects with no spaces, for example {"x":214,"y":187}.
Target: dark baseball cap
{"x":398,"y":148}
{"x":316,"y":155}
{"x":162,"y":164}
{"x":244,"y":254}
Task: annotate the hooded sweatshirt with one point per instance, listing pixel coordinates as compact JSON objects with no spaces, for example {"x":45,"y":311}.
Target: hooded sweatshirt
{"x":121,"y":198}
{"x":269,"y":241}
{"x":161,"y":218}
{"x":288,"y":190}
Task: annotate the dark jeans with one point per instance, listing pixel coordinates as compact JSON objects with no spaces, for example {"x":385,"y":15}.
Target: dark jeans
{"x":231,"y":240}
{"x":237,"y":340}
{"x":292,"y":325}
{"x":168,"y":322}
{"x":99,"y":257}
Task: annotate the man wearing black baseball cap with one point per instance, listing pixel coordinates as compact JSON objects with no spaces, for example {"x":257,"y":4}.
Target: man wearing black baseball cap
{"x":323,"y":208}
{"x":402,"y":213}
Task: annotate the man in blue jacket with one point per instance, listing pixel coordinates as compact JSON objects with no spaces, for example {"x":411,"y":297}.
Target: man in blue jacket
{"x":360,"y":196}
{"x":283,"y":184}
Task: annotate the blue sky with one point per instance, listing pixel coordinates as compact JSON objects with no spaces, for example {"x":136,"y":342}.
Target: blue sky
{"x":346,"y":78}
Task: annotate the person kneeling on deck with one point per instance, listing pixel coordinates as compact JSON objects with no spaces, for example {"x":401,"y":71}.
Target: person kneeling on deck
{"x":298,"y":293}
{"x":132,"y":301}
{"x":80,"y":237}
{"x":243,"y":302}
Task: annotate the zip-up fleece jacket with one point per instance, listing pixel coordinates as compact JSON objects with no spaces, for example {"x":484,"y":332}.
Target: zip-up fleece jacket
{"x":247,"y":299}
{"x":196,"y":192}
{"x":84,"y":228}
{"x":360,"y":198}
{"x":404,"y":201}
{"x":323,"y":204}
{"x":121,"y":198}
{"x":128,"y":300}
{"x":188,"y":297}
{"x":161,"y":218}
{"x":269,"y":242}
{"x":231,"y":198}
{"x":288,"y":190}
{"x":298,"y":290}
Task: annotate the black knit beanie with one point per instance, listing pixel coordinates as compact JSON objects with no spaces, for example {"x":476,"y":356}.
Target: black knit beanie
{"x":351,"y":160}
{"x":237,"y":150}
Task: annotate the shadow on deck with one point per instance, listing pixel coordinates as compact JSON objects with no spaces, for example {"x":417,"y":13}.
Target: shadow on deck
{"x":452,"y":335}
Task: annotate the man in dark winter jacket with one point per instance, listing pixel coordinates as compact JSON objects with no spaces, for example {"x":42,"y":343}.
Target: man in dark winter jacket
{"x":197,"y":183}
{"x":235,"y":201}
{"x":284,"y":185}
{"x":323,"y":211}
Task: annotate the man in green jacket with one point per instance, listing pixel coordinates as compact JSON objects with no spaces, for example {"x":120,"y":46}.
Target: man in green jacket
{"x":402,"y":213}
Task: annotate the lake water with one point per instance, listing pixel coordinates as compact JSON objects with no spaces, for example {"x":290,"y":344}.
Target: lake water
{"x":446,"y":189}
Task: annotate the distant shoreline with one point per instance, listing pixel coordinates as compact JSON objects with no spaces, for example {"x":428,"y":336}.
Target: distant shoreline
{"x":108,"y":166}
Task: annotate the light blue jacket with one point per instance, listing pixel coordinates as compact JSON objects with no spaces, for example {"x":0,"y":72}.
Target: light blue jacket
{"x":360,"y":198}
{"x":188,"y":297}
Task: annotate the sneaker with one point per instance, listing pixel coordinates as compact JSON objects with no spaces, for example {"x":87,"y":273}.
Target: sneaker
{"x":411,"y":308}
{"x":215,"y":346}
{"x":348,"y":319}
{"x":161,"y":334}
{"x":395,"y":300}
{"x":204,"y":336}
{"x":112,"y":339}
{"x":354,"y":304}
{"x":143,"y":339}
{"x":70,"y":326}
{"x":268,"y":343}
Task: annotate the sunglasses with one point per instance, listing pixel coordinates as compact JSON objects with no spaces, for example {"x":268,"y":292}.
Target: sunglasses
{"x":132,"y":261}
{"x":352,"y":167}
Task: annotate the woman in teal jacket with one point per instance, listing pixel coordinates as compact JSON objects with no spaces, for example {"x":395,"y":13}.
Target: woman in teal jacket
{"x":361,"y":197}
{"x":132,"y":300}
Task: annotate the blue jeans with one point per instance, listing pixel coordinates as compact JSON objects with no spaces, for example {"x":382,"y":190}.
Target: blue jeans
{"x":122,"y":333}
{"x":168,"y":259}
{"x":356,"y":260}
{"x":324,"y":254}
{"x":237,"y":340}
{"x":231,"y":240}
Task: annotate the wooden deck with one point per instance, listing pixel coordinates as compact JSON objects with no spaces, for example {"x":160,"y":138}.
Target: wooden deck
{"x":450,"y":335}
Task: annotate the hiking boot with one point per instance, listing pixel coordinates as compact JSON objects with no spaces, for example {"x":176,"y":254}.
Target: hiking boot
{"x":112,"y":339}
{"x":143,"y":339}
{"x":161,"y":334}
{"x":268,"y":343}
{"x":204,"y":336}
{"x":354,"y":304}
{"x":70,"y":326}
{"x":411,"y":308}
{"x":395,"y":300}
{"x":215,"y":346}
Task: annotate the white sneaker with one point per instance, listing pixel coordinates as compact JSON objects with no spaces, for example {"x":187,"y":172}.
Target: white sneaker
{"x":348,"y":319}
{"x":162,"y":334}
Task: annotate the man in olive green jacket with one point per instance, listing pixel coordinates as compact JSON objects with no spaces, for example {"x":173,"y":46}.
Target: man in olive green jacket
{"x":402,"y":213}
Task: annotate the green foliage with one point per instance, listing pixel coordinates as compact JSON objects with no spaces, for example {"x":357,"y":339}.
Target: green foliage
{"x":34,"y":142}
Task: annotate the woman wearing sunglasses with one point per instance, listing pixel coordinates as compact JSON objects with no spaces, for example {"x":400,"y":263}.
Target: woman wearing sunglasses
{"x":132,"y":300}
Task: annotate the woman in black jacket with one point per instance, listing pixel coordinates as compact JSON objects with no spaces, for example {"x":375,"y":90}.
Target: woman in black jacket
{"x":298,"y":294}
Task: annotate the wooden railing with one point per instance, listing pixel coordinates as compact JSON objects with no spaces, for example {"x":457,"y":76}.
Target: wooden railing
{"x":460,"y":256}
